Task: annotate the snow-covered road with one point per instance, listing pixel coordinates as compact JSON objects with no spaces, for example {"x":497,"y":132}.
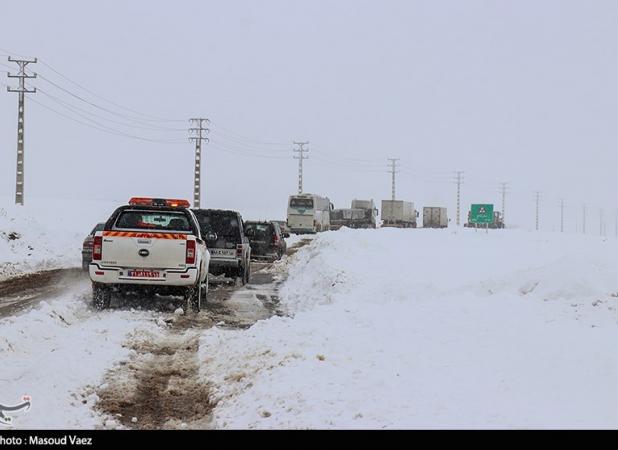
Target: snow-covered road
{"x":132,"y":366}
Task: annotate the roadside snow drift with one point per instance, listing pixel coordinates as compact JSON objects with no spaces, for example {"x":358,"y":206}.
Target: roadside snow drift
{"x":46,"y":234}
{"x":429,"y":328}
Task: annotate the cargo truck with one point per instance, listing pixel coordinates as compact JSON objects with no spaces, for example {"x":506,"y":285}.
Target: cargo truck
{"x":434,"y":217}
{"x":362,"y":214}
{"x":398,"y":214}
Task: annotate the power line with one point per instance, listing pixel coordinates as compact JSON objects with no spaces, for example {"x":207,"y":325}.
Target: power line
{"x":106,"y":129}
{"x":102,"y":108}
{"x":84,"y":113}
{"x":148,"y":117}
{"x":22,"y":90}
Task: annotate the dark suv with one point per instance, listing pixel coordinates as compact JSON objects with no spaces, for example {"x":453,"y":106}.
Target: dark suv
{"x":230,"y":252}
{"x":266,"y":240}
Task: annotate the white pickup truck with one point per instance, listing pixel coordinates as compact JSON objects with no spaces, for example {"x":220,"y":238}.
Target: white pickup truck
{"x":153,"y":245}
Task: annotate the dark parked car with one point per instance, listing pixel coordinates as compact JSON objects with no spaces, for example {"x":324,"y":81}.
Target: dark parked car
{"x":87,"y":246}
{"x":266,"y":240}
{"x":230,"y":252}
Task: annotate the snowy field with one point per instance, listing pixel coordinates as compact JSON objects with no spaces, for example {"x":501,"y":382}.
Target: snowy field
{"x":429,"y":328}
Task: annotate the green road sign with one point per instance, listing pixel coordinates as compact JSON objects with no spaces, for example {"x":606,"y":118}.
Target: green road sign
{"x":481,"y":213}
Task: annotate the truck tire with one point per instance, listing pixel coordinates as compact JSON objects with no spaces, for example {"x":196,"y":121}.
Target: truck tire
{"x":101,"y":296}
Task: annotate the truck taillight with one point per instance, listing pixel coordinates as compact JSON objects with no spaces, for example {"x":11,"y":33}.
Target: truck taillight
{"x":275,"y":239}
{"x":190,"y":259}
{"x":97,"y":248}
{"x":239,"y":250}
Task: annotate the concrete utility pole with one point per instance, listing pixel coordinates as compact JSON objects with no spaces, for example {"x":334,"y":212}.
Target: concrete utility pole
{"x":503,"y":191}
{"x":393,"y":170}
{"x":21,"y":90}
{"x":459,"y":181}
{"x":197,"y":134}
{"x":301,"y":150}
{"x":537,"y":196}
{"x":562,"y":215}
{"x":584,"y":219}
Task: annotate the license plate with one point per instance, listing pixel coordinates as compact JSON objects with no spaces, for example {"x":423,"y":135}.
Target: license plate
{"x":222,"y":252}
{"x":144,"y":273}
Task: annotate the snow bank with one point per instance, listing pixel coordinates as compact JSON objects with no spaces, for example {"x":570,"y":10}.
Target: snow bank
{"x":429,"y":328}
{"x":46,"y":234}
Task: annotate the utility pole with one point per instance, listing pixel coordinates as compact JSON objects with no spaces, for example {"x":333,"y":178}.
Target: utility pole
{"x":301,"y":150}
{"x":21,"y":90}
{"x":503,"y":190}
{"x":584,"y":219}
{"x":459,"y":182}
{"x":393,"y":170}
{"x":562,"y":215}
{"x":197,"y":134}
{"x":537,"y":196}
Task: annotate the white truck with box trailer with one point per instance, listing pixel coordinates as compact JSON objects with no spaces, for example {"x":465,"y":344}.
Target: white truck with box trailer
{"x":398,"y":214}
{"x":434,"y":217}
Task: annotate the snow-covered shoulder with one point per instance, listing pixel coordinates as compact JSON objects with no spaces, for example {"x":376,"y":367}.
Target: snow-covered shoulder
{"x":46,"y":234}
{"x":394,"y":328}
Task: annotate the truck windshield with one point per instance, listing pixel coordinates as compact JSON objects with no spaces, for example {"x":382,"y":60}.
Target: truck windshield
{"x":153,"y":221}
{"x":301,"y":203}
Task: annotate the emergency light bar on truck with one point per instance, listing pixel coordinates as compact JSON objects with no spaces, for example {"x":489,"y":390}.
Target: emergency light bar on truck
{"x":147,"y":201}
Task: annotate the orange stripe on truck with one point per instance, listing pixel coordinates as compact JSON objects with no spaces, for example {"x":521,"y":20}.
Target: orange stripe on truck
{"x":132,"y":234}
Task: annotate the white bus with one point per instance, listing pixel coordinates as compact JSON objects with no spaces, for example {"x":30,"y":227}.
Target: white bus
{"x":309,"y":213}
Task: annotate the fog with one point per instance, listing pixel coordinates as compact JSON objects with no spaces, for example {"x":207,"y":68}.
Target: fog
{"x":520,"y":92}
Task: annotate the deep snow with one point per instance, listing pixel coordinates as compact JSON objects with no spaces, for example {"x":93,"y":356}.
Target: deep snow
{"x":429,"y":328}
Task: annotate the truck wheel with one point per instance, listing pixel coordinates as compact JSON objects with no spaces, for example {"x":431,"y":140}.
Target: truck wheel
{"x":101,"y":296}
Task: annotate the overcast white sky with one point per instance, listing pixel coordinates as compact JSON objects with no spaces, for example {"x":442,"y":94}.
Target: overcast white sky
{"x":523,"y":92}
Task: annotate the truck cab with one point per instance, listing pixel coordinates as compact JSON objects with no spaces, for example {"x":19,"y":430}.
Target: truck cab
{"x":154,"y":245}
